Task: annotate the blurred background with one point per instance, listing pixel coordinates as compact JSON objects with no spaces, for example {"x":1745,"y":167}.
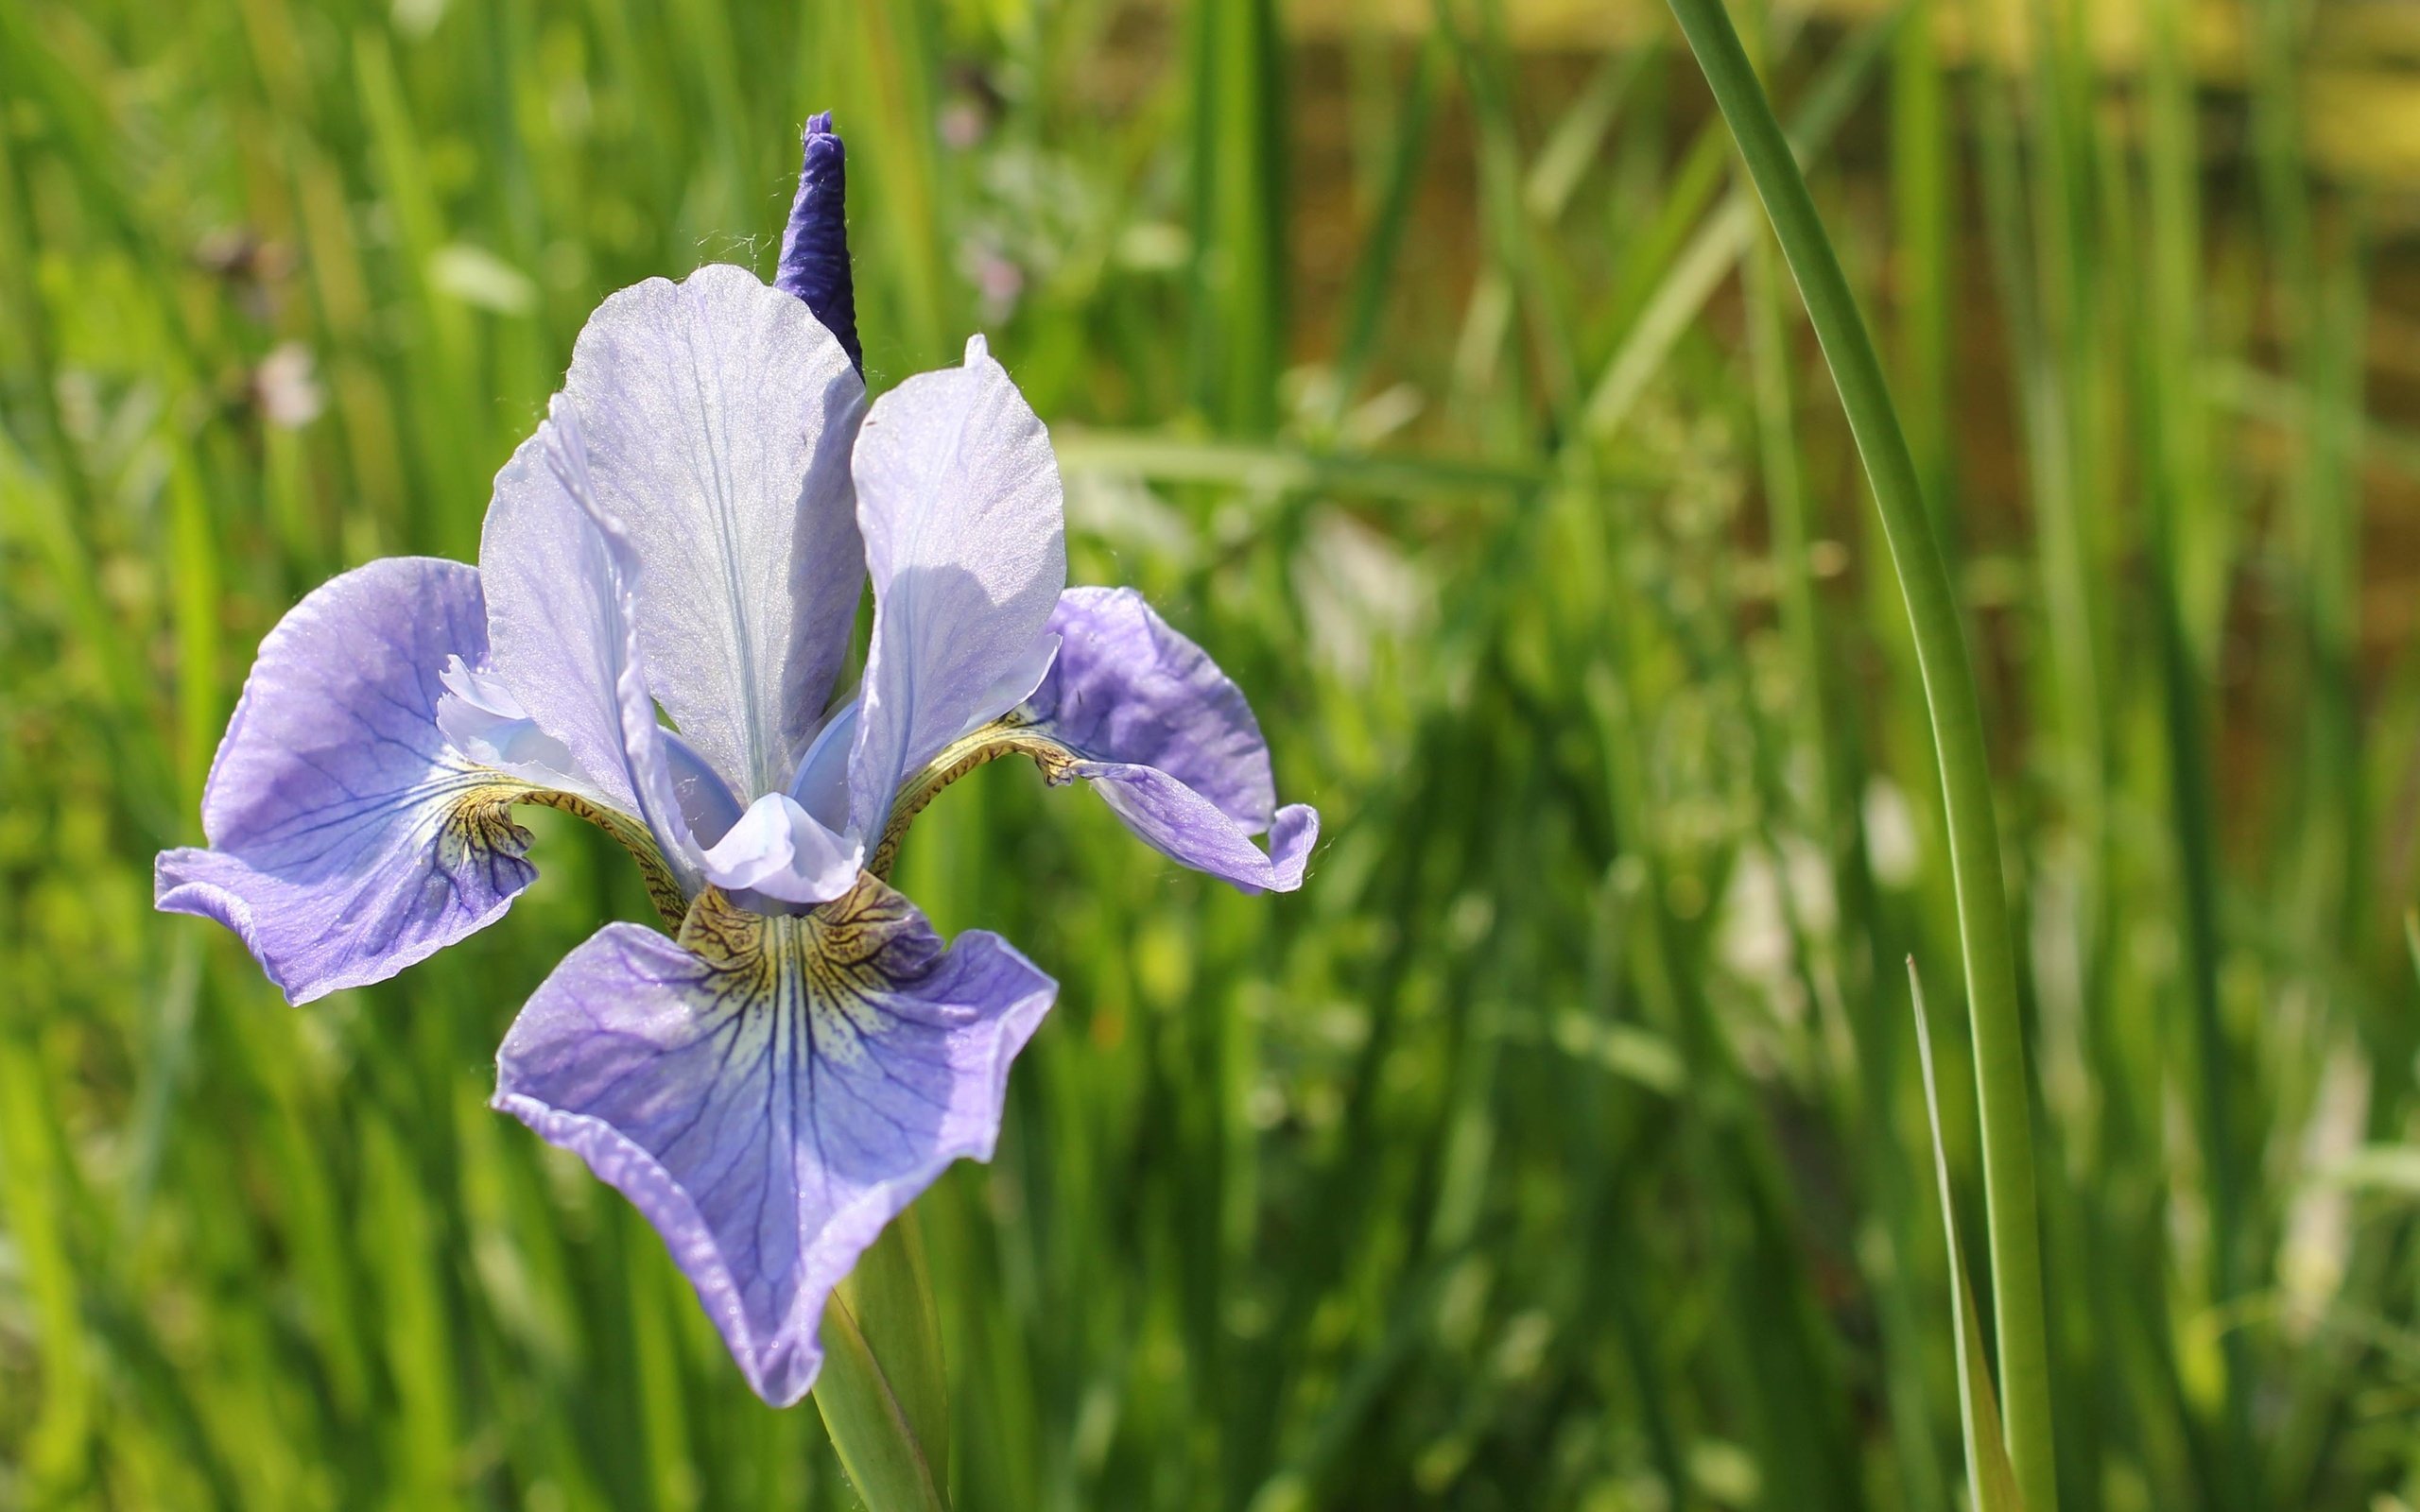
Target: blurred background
{"x":1560,"y":1144}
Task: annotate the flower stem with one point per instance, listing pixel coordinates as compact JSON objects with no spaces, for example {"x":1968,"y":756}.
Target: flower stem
{"x":882,"y":1394}
{"x":1958,"y":741}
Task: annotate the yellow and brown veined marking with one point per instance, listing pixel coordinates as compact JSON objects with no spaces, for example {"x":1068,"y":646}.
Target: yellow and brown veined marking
{"x":1009,"y":735}
{"x":771,"y":1089}
{"x":481,"y":823}
{"x":835,"y":962}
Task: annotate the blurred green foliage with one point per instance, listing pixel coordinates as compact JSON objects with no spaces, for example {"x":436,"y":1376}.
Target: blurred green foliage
{"x":1560,"y":1145}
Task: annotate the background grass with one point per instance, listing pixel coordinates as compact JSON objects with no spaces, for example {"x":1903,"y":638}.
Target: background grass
{"x":1560,"y":1145}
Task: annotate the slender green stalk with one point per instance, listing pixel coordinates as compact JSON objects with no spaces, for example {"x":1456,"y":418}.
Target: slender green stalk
{"x":1958,"y":736}
{"x":883,"y":1395}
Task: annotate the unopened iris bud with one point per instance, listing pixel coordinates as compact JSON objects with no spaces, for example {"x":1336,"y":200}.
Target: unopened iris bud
{"x":815,"y":245}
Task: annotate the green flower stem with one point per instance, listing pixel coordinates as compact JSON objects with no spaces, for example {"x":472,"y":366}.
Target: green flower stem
{"x":883,"y":1395}
{"x":1958,"y":740}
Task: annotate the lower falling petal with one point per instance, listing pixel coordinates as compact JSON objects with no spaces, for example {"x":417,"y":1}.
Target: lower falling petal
{"x":771,"y":1091}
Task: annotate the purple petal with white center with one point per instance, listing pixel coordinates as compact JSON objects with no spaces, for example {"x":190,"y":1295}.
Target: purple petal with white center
{"x":1168,"y":740}
{"x":773,"y":1091}
{"x":720,"y":414}
{"x":960,"y":503}
{"x":347,"y":839}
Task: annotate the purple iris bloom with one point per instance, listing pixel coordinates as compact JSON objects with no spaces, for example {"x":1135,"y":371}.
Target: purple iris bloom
{"x":686,"y":536}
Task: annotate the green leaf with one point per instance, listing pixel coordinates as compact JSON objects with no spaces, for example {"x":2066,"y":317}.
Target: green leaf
{"x":1979,"y":1409}
{"x":882,"y":1394}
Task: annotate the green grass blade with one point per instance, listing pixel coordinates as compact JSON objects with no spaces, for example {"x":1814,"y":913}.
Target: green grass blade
{"x":1988,"y":1471}
{"x":2001,"y":1079}
{"x":1715,"y":251}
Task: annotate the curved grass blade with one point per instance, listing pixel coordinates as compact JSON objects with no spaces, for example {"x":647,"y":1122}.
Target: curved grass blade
{"x":1979,"y":887}
{"x":1979,"y":1410}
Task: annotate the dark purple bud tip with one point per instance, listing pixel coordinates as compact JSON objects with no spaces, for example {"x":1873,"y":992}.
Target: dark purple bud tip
{"x":815,"y":245}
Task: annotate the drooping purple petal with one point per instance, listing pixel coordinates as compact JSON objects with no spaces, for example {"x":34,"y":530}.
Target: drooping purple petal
{"x":771,"y":1098}
{"x":1180,"y":824}
{"x":347,"y":840}
{"x":1128,"y":687}
{"x":1169,"y":741}
{"x":720,"y":415}
{"x":815,"y":243}
{"x":960,"y":503}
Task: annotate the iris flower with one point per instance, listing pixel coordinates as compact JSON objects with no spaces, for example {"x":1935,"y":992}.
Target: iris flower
{"x":686,"y":534}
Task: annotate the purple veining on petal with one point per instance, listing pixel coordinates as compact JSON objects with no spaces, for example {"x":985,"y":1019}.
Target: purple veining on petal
{"x":773,"y":1091}
{"x":815,"y":243}
{"x":1168,"y":740}
{"x":347,"y":839}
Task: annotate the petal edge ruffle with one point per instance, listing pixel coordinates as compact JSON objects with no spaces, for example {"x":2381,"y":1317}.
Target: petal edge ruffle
{"x":1167,"y":740}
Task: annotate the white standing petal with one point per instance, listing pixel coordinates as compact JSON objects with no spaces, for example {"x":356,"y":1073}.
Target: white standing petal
{"x":554,"y":622}
{"x":960,"y":503}
{"x":720,"y":414}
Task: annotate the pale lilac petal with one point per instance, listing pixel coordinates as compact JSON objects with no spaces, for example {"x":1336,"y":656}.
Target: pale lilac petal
{"x":720,"y":414}
{"x":705,"y":801}
{"x":1168,"y":740}
{"x":1017,"y":686}
{"x":554,"y":621}
{"x":779,"y":851}
{"x":570,"y":621}
{"x":821,"y":785}
{"x":960,"y":503}
{"x":485,"y":722}
{"x":347,"y":840}
{"x":1180,"y":824}
{"x":486,"y":725}
{"x":771,"y":1104}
